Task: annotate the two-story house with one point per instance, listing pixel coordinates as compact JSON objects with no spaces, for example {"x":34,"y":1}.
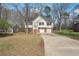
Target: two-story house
{"x":40,"y":24}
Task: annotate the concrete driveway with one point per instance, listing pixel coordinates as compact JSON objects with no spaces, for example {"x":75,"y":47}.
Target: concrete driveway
{"x":56,"y":45}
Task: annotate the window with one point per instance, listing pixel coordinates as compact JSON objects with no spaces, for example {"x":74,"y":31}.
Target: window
{"x":48,"y":23}
{"x":41,"y":23}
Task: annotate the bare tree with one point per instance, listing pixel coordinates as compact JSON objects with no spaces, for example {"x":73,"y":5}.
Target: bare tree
{"x":23,"y":12}
{"x":27,"y":16}
{"x":59,"y":9}
{"x":5,"y":13}
{"x":0,"y":9}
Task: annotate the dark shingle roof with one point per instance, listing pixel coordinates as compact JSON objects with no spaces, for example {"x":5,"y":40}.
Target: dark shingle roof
{"x":45,"y":18}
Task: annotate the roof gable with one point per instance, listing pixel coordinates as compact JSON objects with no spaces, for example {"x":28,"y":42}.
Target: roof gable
{"x":39,"y":18}
{"x":48,"y":19}
{"x":42,"y":18}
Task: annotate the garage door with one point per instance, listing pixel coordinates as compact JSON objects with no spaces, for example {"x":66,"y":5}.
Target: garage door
{"x":41,"y":30}
{"x":48,"y":30}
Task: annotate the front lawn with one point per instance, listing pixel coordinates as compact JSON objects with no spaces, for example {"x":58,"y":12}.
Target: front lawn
{"x":69,"y":33}
{"x":22,"y":44}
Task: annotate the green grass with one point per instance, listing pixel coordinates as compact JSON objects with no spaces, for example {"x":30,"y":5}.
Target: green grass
{"x":69,"y":33}
{"x":6,"y":46}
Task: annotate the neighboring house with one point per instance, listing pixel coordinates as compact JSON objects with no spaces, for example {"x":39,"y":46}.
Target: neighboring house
{"x":40,"y":25}
{"x":76,"y":25}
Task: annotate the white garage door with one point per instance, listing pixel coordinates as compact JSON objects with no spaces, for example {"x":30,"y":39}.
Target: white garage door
{"x":48,"y":30}
{"x":41,"y":30}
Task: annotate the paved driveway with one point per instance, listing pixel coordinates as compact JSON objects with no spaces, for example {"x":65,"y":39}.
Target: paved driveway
{"x":56,"y":45}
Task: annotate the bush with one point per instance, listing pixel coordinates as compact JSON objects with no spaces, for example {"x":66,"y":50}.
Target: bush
{"x":4,"y":24}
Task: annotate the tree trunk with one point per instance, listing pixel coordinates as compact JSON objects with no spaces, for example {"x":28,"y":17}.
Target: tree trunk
{"x":27,"y":16}
{"x":60,"y":26}
{"x":60,"y":21}
{"x":0,"y":9}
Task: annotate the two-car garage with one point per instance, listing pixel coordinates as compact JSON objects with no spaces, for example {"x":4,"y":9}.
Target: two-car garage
{"x":45,"y":30}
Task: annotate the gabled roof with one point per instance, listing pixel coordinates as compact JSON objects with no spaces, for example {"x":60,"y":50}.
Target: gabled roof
{"x":31,"y":19}
{"x":48,"y":19}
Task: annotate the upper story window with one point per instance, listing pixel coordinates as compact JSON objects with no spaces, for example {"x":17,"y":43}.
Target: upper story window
{"x":48,"y":23}
{"x":41,"y":23}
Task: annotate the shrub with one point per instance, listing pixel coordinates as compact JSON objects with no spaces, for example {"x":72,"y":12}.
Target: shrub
{"x":4,"y":24}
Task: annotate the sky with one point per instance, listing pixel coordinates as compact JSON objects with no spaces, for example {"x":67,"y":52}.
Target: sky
{"x":70,"y":8}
